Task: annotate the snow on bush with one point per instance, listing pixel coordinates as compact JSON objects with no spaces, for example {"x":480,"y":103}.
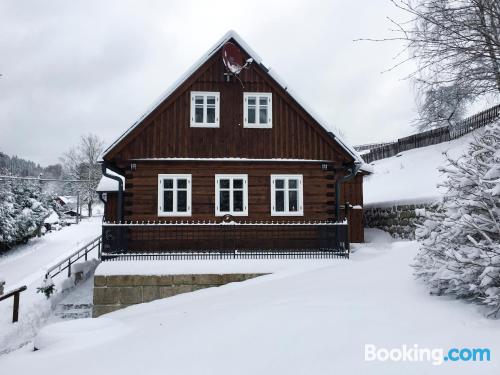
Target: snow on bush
{"x":460,"y":244}
{"x":23,"y":209}
{"x":47,"y":287}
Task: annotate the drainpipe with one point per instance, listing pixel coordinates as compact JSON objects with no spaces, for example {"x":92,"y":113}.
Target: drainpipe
{"x":119,"y":204}
{"x":352,"y":170}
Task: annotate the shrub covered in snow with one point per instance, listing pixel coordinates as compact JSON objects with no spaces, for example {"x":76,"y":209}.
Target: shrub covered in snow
{"x":460,"y":246}
{"x":48,"y":287}
{"x":23,"y":209}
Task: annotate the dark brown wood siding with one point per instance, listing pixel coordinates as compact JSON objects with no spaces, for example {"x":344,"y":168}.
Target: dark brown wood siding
{"x":141,"y":190}
{"x":166,"y":132}
{"x":110,"y":207}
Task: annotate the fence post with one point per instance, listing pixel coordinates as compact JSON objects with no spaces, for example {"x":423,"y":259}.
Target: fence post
{"x":15,"y":310}
{"x":69,"y":267}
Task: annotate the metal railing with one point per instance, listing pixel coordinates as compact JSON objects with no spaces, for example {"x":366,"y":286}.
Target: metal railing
{"x":66,"y":263}
{"x":224,"y":241}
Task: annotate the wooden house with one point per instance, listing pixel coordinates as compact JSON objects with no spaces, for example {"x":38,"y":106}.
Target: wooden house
{"x":228,"y":161}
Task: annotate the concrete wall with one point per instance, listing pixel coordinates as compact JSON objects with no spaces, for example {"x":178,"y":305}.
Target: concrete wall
{"x":114,"y":292}
{"x":399,"y":220}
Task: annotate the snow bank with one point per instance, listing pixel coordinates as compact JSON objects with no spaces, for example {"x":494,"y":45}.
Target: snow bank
{"x":310,"y":321}
{"x":78,"y":334}
{"x":411,"y":176}
{"x":180,"y":267}
{"x":53,"y":218}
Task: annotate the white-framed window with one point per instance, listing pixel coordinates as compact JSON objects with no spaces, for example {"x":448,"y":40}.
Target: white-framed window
{"x":287,"y":195}
{"x":231,"y":194}
{"x":257,"y":110}
{"x":174,"y":195}
{"x":205,"y":109}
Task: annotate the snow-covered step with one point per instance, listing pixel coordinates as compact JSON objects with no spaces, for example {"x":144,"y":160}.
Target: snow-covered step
{"x":69,"y":311}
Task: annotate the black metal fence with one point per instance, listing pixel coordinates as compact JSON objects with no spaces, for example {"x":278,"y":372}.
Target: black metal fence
{"x":224,"y":241}
{"x":431,"y":137}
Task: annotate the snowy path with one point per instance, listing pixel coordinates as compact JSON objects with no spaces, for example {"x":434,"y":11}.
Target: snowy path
{"x":26,"y":265}
{"x":314,"y":321}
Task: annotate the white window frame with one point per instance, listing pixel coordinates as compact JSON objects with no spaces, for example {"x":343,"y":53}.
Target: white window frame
{"x":231,"y":177}
{"x":161,"y":189}
{"x":257,"y":124}
{"x":300,"y":195}
{"x":205,"y":124}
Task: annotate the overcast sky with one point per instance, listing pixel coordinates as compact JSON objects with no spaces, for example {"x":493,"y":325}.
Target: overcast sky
{"x":71,"y":67}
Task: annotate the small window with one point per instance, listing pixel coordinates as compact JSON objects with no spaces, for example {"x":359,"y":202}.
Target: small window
{"x":257,"y":110}
{"x":174,"y":195}
{"x":286,"y":195}
{"x":231,"y":195}
{"x":204,"y":109}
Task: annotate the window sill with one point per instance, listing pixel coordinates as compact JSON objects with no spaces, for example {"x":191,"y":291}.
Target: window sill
{"x":220,"y":214}
{"x":267,"y":126}
{"x":204,"y":125}
{"x":174,"y":214}
{"x":287,"y":214}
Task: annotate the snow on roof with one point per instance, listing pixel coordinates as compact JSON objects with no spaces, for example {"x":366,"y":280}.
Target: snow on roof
{"x":108,"y":184}
{"x":231,"y":34}
{"x":67,"y":199}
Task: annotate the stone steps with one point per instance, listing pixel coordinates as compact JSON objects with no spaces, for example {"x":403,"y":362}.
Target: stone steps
{"x":70,"y":311}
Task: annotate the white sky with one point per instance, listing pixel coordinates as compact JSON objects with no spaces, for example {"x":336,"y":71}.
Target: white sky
{"x":70,"y":67}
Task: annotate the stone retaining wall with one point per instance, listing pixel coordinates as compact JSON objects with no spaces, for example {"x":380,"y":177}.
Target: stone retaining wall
{"x":398,"y":220}
{"x":114,"y":292}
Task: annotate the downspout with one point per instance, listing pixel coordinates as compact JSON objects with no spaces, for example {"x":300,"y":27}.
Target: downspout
{"x":119,"y":204}
{"x":352,"y":170}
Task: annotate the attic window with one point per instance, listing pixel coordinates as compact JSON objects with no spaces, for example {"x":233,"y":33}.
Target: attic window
{"x":258,"y":110}
{"x":204,"y":109}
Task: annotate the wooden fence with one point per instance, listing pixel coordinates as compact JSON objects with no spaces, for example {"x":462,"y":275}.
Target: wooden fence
{"x":431,"y":137}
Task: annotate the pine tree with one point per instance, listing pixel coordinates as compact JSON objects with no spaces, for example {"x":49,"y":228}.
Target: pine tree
{"x":460,"y":244}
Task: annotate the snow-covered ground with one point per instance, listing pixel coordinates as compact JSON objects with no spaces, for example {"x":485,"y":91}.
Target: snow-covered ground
{"x":312,"y":318}
{"x":411,"y":176}
{"x":26,"y":265}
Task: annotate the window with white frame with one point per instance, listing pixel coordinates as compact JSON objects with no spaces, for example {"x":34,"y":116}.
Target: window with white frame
{"x":286,"y":195}
{"x":204,"y":109}
{"x":174,"y":195}
{"x":231,"y":195}
{"x":258,"y":110}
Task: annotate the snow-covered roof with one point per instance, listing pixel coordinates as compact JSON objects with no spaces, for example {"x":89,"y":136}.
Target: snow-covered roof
{"x":107,"y":184}
{"x":231,"y":34}
{"x":67,"y":199}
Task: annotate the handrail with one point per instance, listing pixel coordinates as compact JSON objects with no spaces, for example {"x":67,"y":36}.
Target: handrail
{"x":72,"y":258}
{"x":15,"y":306}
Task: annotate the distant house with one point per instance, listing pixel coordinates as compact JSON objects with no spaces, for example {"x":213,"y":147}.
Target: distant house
{"x":230,"y":160}
{"x":68,"y":204}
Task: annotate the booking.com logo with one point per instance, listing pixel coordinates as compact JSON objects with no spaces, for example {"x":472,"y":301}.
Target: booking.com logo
{"x":436,"y":356}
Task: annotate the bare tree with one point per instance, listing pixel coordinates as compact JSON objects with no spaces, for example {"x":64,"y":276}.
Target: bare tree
{"x":442,"y":106}
{"x":454,"y":43}
{"x":81,"y":163}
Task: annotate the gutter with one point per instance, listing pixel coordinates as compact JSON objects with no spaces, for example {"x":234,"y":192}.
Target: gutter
{"x":119,"y":206}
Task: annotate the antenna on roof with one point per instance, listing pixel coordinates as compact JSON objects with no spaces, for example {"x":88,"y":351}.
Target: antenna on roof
{"x":233,"y":61}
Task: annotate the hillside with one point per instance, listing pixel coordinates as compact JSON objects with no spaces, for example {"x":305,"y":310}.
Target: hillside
{"x":412,"y":176}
